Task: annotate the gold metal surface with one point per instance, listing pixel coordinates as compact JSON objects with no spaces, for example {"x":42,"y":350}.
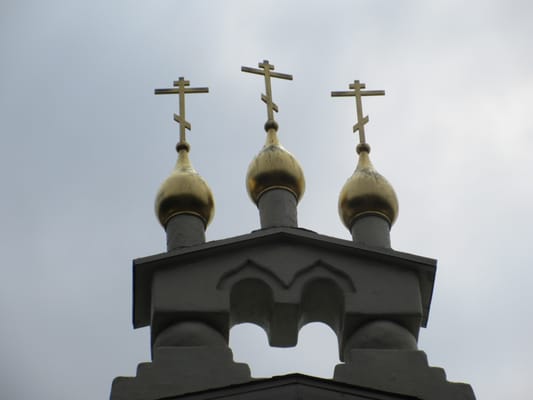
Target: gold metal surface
{"x":184,"y":192}
{"x":274,"y":168}
{"x":357,"y":93}
{"x":367,"y":192}
{"x":267,"y":71}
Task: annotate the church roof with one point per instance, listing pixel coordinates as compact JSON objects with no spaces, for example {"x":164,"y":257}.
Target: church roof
{"x":244,"y":245}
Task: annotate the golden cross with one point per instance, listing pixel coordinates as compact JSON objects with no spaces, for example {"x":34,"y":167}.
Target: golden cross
{"x":180,"y":88}
{"x":357,"y":92}
{"x":266,"y":70}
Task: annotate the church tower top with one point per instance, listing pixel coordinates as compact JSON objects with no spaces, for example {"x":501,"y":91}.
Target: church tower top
{"x":281,"y":277}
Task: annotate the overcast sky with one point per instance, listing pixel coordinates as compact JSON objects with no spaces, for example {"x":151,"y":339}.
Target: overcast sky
{"x":85,"y":145}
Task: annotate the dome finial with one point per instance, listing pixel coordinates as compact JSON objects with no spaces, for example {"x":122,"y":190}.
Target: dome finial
{"x":184,"y":191}
{"x":361,"y":121}
{"x":267,"y":71}
{"x":366,"y":192}
{"x":275,"y":180}
{"x":180,"y":89}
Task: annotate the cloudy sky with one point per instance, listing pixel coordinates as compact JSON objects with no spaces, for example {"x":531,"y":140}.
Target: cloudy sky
{"x":85,"y":145}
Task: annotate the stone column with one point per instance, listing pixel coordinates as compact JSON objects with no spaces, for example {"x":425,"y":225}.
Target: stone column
{"x":185,"y":230}
{"x":371,"y":230}
{"x":278,"y":208}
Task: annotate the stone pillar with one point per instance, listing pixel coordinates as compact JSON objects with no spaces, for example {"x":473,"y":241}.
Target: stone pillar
{"x":187,"y":357}
{"x":185,"y":230}
{"x":383,"y":355}
{"x":277,"y":208}
{"x":371,"y":230}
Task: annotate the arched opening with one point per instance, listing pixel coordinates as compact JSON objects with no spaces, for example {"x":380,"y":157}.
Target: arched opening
{"x":251,"y":301}
{"x":316,"y":353}
{"x":323,"y":301}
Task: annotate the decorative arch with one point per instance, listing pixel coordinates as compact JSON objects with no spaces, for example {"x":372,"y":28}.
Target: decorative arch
{"x":325,"y":270}
{"x":253,"y":269}
{"x":250,"y":269}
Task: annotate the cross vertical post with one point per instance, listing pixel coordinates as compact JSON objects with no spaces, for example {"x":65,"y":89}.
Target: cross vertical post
{"x":183,"y":124}
{"x":268,"y":86}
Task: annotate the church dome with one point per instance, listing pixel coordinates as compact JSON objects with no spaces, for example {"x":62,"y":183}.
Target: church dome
{"x":184,"y":192}
{"x":274,"y":168}
{"x":367,"y":192}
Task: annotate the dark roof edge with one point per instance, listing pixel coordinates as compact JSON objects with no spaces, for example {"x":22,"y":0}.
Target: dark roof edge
{"x":289,"y":379}
{"x":297,"y":233}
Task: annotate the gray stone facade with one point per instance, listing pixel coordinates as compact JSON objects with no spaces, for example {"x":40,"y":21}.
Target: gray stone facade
{"x":374,"y":298}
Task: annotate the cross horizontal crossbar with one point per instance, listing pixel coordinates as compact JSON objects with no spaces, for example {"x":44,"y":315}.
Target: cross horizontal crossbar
{"x":274,"y":105}
{"x":271,"y":73}
{"x":181,"y":82}
{"x":361,"y":85}
{"x":182,"y":121}
{"x":353,"y":93}
{"x":183,"y":90}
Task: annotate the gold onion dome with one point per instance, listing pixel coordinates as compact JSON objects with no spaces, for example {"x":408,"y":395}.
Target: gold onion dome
{"x":367,"y":192}
{"x":184,"y":192}
{"x":274,"y":168}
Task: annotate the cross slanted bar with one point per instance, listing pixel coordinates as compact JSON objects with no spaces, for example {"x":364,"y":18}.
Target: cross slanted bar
{"x":180,"y":88}
{"x":358,"y":93}
{"x":267,"y":71}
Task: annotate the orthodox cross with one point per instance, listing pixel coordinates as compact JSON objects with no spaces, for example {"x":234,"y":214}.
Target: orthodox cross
{"x":267,"y":70}
{"x":180,"y":88}
{"x":358,"y":93}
